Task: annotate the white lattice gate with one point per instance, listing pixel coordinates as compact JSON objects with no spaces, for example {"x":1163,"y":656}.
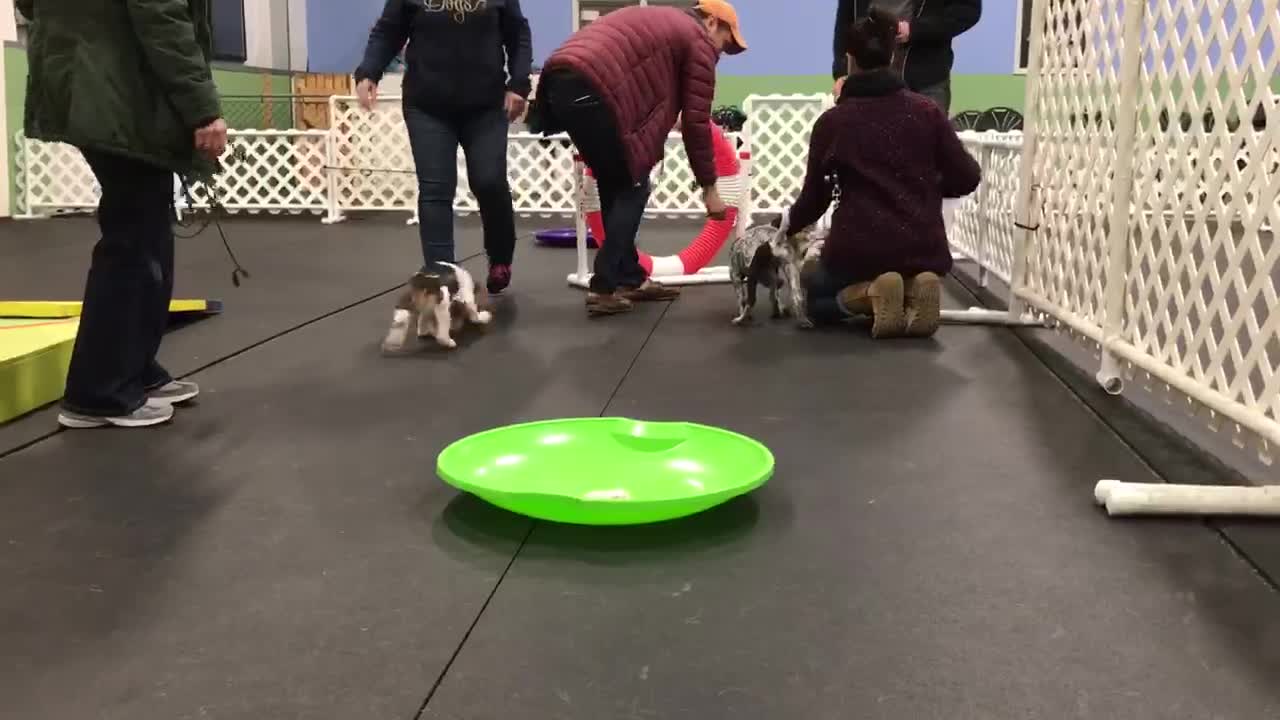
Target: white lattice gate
{"x":1155,"y":195}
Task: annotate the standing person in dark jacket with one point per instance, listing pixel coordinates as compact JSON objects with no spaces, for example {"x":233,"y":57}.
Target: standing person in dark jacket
{"x":617,"y":87}
{"x":129,"y":84}
{"x":894,"y":156}
{"x":467,"y":79}
{"x":925,"y":29}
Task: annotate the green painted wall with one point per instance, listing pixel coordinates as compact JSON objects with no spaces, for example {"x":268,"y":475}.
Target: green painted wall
{"x":15,"y":103}
{"x":250,"y":113}
{"x":970,"y":92}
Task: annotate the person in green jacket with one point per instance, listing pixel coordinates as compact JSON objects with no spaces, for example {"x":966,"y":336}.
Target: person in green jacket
{"x":128,"y":83}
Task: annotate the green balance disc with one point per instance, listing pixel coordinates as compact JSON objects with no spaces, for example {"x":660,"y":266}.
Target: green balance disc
{"x":606,"y":471}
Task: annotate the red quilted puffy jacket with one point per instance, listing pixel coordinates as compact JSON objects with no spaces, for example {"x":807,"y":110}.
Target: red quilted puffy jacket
{"x":649,"y":65}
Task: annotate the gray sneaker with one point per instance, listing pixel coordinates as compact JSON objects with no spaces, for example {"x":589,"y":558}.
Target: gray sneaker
{"x":146,"y":416}
{"x":174,"y":393}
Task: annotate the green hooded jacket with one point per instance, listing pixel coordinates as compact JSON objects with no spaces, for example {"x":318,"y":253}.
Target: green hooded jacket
{"x":128,"y":77}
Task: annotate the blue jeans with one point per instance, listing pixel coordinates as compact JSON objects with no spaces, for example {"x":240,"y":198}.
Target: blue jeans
{"x":822,"y":289}
{"x":434,"y":140}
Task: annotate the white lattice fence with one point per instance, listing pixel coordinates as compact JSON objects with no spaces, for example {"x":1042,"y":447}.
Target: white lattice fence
{"x":370,"y":161}
{"x":52,"y":177}
{"x":1156,"y":240}
{"x":777,"y":132}
{"x":271,"y":171}
{"x":984,"y":228}
{"x":264,"y":171}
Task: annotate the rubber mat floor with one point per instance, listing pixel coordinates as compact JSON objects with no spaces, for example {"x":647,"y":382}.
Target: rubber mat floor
{"x":927,"y":548}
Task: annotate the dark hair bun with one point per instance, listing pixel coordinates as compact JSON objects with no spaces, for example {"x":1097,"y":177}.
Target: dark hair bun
{"x":873,"y":39}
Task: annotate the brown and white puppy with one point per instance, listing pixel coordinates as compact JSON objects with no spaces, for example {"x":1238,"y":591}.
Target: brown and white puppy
{"x":439,"y":301}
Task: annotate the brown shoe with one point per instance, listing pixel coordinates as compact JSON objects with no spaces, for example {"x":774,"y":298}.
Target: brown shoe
{"x":650,"y":291}
{"x":923,"y":303}
{"x":882,"y":299}
{"x":612,"y":304}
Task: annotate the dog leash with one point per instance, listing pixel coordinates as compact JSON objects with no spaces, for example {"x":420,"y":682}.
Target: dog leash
{"x":215,"y":206}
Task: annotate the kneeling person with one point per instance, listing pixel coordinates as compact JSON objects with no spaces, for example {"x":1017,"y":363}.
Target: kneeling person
{"x":890,"y":156}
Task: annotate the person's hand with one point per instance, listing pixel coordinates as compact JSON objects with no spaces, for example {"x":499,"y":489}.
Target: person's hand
{"x":367,"y":93}
{"x":904,"y":32}
{"x":514,"y":105}
{"x":839,"y":87}
{"x":716,"y":209}
{"x":211,"y":140}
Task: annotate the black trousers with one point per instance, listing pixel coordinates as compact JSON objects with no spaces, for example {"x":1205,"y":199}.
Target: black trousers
{"x":576,"y":107}
{"x":127,"y":294}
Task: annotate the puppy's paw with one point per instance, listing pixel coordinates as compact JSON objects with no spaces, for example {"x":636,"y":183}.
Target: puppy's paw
{"x":446,"y":342}
{"x":484,"y":317}
{"x":805,"y":323}
{"x":742,"y":320}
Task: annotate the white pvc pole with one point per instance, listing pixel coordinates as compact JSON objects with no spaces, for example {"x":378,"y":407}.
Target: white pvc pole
{"x":1125,"y":499}
{"x":1025,"y":204}
{"x":1109,"y":375}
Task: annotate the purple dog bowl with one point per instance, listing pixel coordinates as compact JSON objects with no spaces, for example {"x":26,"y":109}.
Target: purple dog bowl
{"x":562,"y":238}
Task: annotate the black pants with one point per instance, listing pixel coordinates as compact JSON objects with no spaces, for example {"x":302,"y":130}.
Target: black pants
{"x":126,"y":297}
{"x":434,"y":140}
{"x":577,"y":108}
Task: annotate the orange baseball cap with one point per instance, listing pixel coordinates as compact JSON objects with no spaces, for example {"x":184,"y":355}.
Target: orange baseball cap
{"x":724,"y":12}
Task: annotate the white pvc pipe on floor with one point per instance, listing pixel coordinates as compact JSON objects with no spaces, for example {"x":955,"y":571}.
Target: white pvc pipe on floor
{"x":1123,"y":499}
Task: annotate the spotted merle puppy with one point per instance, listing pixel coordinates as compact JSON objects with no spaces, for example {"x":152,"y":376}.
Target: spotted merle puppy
{"x":766,"y":256}
{"x":439,"y":301}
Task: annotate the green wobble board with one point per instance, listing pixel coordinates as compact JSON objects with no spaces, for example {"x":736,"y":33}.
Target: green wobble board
{"x":606,"y":471}
{"x":68,"y":308}
{"x":36,"y":340}
{"x":34,"y":356}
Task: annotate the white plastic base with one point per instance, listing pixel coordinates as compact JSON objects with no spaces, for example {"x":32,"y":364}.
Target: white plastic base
{"x":983,"y":316}
{"x":1122,"y":498}
{"x":715,"y":275}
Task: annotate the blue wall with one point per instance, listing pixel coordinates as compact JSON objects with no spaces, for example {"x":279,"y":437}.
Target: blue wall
{"x":792,"y":39}
{"x":338,"y":29}
{"x":795,"y":39}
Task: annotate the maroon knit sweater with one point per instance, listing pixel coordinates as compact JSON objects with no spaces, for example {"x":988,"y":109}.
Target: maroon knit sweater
{"x":894,"y":156}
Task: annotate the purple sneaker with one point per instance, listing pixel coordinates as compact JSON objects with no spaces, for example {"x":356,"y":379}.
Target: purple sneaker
{"x":499,"y":279}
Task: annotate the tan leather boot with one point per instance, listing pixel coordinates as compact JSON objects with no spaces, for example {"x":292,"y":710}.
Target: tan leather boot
{"x":882,"y":299}
{"x":923,"y":303}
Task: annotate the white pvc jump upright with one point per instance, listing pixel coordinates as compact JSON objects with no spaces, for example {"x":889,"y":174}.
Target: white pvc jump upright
{"x":667,"y":270}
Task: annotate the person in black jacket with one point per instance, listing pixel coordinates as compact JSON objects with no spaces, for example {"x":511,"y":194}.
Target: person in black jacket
{"x":467,"y":79}
{"x":925,"y":33}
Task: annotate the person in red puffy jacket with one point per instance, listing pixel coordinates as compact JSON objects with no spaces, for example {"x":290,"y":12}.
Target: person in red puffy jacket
{"x":616,"y":87}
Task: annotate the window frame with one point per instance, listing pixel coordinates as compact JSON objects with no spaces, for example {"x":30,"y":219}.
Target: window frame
{"x":243,"y":56}
{"x":1022,"y":40}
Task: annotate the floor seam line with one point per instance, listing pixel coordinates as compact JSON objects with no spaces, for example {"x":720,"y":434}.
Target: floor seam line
{"x":218,"y":361}
{"x":493,"y":592}
{"x":306,"y":323}
{"x":1133,"y":450}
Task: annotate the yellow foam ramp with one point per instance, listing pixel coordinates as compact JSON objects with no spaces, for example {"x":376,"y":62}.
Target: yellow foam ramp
{"x":67,"y":309}
{"x":34,"y":356}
